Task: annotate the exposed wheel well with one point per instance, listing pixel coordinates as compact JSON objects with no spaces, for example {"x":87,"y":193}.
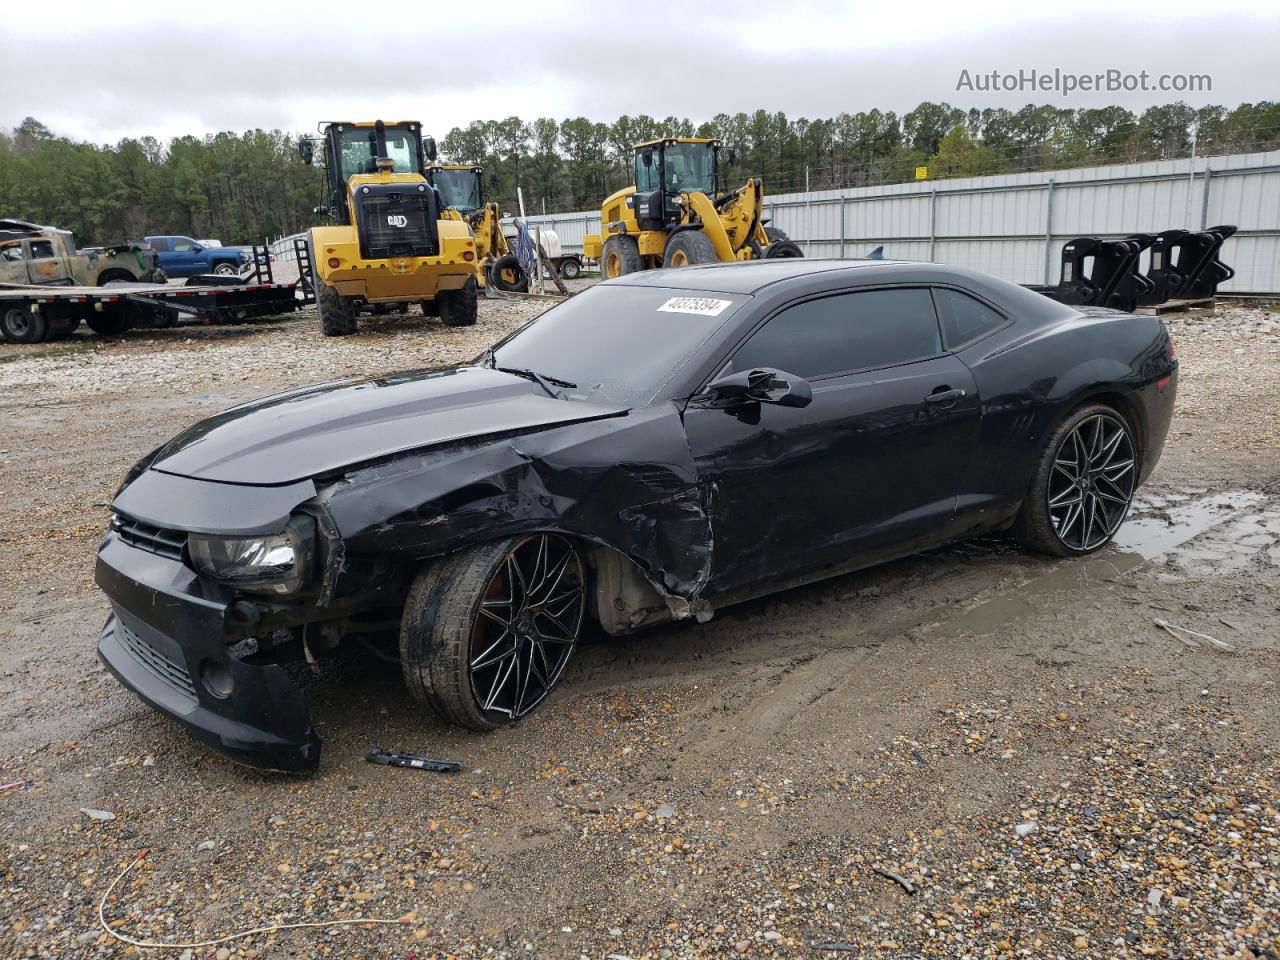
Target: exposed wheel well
{"x":115,"y":273}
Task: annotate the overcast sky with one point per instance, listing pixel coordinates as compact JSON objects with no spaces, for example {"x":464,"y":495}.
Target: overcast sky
{"x":105,"y":70}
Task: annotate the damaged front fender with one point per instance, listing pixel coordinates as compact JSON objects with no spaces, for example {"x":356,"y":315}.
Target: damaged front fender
{"x":628,"y":483}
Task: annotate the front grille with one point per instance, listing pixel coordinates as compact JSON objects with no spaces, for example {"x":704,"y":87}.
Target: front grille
{"x":396,"y":220}
{"x":168,"y":671}
{"x":166,"y":543}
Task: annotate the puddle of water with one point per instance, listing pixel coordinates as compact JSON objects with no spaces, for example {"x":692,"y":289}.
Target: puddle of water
{"x":1231,"y":528}
{"x":1178,"y":522}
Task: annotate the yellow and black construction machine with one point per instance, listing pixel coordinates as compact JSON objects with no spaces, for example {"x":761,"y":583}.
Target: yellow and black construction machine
{"x":461,"y":190}
{"x":389,"y":243}
{"x":675,"y":214}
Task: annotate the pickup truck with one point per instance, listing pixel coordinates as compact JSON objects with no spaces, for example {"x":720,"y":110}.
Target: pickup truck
{"x":184,"y":257}
{"x":32,"y":254}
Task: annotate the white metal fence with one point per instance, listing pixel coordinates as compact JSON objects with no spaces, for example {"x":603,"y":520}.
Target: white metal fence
{"x":1014,"y":225}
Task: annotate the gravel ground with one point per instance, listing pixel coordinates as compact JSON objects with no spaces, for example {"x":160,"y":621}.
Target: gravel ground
{"x":1050,"y":773}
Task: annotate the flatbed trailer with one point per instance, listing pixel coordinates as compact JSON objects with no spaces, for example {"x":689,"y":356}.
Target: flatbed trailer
{"x":36,"y":312}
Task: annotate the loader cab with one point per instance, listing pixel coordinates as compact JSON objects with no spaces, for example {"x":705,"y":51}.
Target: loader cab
{"x":367,"y":149}
{"x":666,"y":168}
{"x":461,"y":188}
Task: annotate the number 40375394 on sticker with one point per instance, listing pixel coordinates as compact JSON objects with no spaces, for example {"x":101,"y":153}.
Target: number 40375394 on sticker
{"x":701,"y":306}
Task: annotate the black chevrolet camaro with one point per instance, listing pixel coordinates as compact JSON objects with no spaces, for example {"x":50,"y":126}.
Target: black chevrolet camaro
{"x":655,"y":448}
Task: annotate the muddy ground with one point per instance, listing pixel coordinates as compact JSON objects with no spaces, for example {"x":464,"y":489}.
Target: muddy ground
{"x":1051,"y":773}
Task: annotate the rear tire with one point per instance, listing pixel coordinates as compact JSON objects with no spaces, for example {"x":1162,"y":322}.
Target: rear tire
{"x":780,"y":245}
{"x":688,"y":248}
{"x":620,"y":256}
{"x":20,"y":325}
{"x":339,"y":316}
{"x":570,"y":269}
{"x":506,"y":274}
{"x":1090,"y":461}
{"x":458,"y":308}
{"x":108,"y":324}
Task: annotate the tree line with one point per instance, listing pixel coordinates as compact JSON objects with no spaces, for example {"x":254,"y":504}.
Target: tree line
{"x":240,"y":188}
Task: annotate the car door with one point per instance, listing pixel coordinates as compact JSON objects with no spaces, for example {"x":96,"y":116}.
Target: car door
{"x":870,"y":468}
{"x":186,"y":257}
{"x":45,"y":264}
{"x":13,"y":263}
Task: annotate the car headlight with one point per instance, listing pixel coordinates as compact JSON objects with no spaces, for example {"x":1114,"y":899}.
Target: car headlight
{"x":277,"y":563}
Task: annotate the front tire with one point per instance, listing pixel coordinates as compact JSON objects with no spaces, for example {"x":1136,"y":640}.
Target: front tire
{"x":688,"y":248}
{"x":339,"y":316}
{"x":226,"y":270}
{"x":459,"y":308}
{"x":487,"y":632}
{"x":620,"y":256}
{"x":1082,"y":484}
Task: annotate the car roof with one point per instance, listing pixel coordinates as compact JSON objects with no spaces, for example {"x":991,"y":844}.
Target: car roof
{"x":750,"y":276}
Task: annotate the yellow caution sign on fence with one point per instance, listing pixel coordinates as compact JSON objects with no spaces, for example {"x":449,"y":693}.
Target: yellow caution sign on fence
{"x":922,"y":173}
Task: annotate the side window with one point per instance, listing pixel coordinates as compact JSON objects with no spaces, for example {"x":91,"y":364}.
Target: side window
{"x":848,"y":331}
{"x":647,"y":176}
{"x":964,"y":319}
{"x":41,"y":250}
{"x":11,"y":253}
{"x":183,"y":245}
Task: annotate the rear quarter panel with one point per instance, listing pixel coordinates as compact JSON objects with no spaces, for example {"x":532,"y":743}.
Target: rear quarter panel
{"x":1030,"y":379}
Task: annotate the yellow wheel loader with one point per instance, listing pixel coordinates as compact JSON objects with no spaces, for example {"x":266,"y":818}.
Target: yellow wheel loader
{"x":461,"y":190}
{"x":389,"y":245}
{"x":676,"y":215}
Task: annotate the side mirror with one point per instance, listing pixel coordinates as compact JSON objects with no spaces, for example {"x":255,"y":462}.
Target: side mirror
{"x":307,"y":149}
{"x":320,"y":211}
{"x":429,"y":148}
{"x":762,"y":385}
{"x":647,"y":158}
{"x":196,"y":248}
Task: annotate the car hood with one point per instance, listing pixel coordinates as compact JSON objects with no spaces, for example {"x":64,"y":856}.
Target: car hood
{"x":318,"y":430}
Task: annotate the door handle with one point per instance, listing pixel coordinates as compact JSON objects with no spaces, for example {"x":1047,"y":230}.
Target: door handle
{"x":944,"y":397}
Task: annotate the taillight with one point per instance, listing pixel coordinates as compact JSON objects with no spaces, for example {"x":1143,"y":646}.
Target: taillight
{"x":334,"y":262}
{"x":468,"y":255}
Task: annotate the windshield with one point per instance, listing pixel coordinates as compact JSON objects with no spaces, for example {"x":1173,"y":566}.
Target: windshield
{"x":459,"y":189}
{"x":618,"y":344}
{"x":357,"y":148}
{"x":690,"y":168}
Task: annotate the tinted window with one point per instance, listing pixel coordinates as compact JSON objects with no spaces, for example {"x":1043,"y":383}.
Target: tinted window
{"x":850,"y":331}
{"x":964,"y":319}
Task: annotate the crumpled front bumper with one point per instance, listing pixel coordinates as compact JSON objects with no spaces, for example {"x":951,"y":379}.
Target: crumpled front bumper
{"x":165,"y":641}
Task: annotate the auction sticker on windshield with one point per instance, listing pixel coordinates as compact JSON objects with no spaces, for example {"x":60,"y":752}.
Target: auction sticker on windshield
{"x":701,"y":306}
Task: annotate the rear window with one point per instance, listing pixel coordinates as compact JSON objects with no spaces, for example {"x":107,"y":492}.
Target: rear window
{"x":846,"y":332}
{"x":964,"y":319}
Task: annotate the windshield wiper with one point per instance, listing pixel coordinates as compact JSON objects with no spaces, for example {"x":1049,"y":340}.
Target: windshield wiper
{"x":542,"y":381}
{"x":487,"y":359}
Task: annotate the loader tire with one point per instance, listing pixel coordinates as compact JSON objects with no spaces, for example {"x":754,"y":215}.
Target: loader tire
{"x":458,"y":307}
{"x":688,"y":248}
{"x":782,"y":249}
{"x":620,"y":256}
{"x":339,"y":317}
{"x":780,"y":245}
{"x":506,"y":274}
